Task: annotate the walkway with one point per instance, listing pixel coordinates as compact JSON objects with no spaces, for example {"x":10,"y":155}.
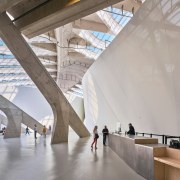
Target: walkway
{"x":25,"y":159}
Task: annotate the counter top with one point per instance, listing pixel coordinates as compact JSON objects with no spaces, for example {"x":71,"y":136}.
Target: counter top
{"x":138,"y":139}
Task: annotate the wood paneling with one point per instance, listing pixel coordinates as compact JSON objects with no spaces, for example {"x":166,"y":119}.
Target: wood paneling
{"x":167,"y":164}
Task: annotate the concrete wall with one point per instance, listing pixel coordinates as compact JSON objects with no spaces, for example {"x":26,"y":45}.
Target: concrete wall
{"x":136,"y":79}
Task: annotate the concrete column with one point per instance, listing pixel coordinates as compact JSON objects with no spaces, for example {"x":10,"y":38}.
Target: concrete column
{"x":30,"y":122}
{"x":16,"y":116}
{"x":14,"y":123}
{"x":63,"y":112}
{"x":3,"y":120}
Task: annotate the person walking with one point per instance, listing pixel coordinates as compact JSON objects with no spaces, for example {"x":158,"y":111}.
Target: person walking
{"x":105,"y":132}
{"x":27,"y":130}
{"x":4,"y":130}
{"x":95,"y":136}
{"x":35,"y":131}
{"x":49,"y":128}
{"x":44,"y":131}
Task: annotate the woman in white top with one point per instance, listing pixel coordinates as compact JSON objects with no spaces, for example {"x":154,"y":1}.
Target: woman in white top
{"x":95,"y":136}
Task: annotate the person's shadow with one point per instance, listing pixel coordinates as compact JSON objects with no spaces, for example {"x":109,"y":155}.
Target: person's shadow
{"x":44,"y":142}
{"x":95,"y":157}
{"x":35,"y":142}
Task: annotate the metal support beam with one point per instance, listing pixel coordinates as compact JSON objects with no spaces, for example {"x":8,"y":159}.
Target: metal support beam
{"x":64,"y":115}
{"x":55,"y":14}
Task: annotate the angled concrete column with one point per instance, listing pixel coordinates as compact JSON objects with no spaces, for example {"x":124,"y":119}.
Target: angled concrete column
{"x":16,"y":116}
{"x":63,"y":112}
{"x":13,"y":128}
{"x":3,"y":120}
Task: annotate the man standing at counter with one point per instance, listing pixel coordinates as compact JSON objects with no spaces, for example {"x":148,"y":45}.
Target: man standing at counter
{"x":131,"y":130}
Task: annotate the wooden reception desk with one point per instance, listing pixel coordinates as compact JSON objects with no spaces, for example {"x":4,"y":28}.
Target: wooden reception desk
{"x":167,"y":164}
{"x":151,"y":160}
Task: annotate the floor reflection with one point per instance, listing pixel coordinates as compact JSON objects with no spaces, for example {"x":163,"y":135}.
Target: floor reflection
{"x":95,"y":156}
{"x":38,"y":159}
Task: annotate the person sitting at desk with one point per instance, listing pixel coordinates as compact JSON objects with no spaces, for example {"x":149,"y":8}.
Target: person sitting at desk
{"x":131,"y":130}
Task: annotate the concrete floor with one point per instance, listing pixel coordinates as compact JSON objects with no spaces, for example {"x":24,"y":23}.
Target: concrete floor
{"x":25,"y":159}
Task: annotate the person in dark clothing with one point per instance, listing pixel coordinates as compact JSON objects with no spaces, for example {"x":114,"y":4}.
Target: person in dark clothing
{"x":35,"y":131}
{"x":27,"y":130}
{"x":105,"y":132}
{"x":131,"y":130}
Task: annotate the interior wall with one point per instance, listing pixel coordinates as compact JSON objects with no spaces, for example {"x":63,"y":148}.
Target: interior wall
{"x":78,"y":106}
{"x":136,"y":79}
{"x":29,"y":99}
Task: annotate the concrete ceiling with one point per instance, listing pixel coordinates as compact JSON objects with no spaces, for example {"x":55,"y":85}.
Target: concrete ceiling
{"x":67,"y":36}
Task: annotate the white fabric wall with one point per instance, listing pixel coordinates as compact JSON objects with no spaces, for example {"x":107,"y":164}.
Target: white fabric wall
{"x":137,"y":78}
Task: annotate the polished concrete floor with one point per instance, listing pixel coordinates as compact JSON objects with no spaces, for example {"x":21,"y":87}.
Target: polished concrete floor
{"x":27,"y":159}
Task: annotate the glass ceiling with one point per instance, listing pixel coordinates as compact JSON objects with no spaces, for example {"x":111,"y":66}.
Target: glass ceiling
{"x":12,"y":74}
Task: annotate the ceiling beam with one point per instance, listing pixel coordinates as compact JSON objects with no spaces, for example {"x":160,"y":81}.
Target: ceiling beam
{"x":53,"y":73}
{"x":6,"y":4}
{"x":79,"y":41}
{"x":54,"y":14}
{"x":73,"y":54}
{"x":91,"y":38}
{"x":47,"y":46}
{"x":51,"y":66}
{"x":48,"y":58}
{"x":20,"y":74}
{"x":129,"y":5}
{"x":51,"y":34}
{"x":90,"y":25}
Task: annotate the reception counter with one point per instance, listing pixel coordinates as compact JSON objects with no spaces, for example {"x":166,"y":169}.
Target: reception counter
{"x":136,"y":151}
{"x":151,"y":160}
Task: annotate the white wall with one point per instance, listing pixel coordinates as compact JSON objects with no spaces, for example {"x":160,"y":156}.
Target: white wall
{"x":137,"y":78}
{"x":78,"y":106}
{"x":29,"y":99}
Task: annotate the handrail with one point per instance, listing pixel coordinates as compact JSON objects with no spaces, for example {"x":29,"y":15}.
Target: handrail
{"x":164,"y":137}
